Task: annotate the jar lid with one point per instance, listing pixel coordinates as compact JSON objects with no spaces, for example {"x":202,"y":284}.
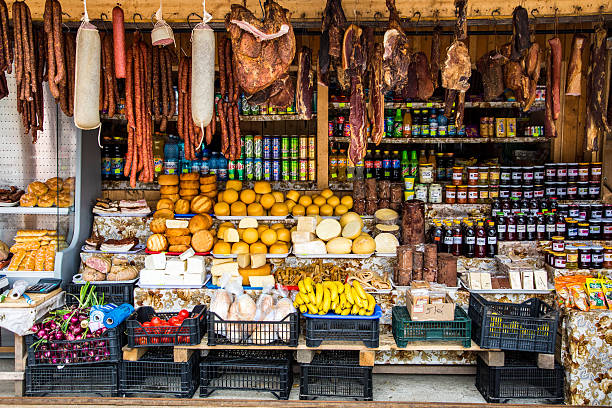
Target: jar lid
{"x":585,"y":248}
{"x":527,"y":167}
{"x":450,"y":186}
{"x":486,"y":186}
{"x":595,"y":221}
{"x":572,"y":164}
{"x":584,"y":164}
{"x":597,"y":248}
{"x":596,"y":164}
{"x":608,"y":248}
{"x":558,"y":238}
{"x":461,"y":186}
{"x":571,"y":248}
{"x":538,"y":167}
{"x":583,"y":224}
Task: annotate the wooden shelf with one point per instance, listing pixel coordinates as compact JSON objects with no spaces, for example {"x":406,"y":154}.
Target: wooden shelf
{"x":436,"y":140}
{"x":249,"y":118}
{"x":539,"y":105}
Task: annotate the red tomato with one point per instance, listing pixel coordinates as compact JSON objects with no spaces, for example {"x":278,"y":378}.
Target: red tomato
{"x":175,"y":321}
{"x":183,"y":314}
{"x":155,"y":321}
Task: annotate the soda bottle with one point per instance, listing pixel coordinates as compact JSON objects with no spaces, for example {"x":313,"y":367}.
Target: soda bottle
{"x":396,"y":166}
{"x":425,"y":123}
{"x":405,"y":163}
{"x":414,"y":164}
{"x":369,"y":165}
{"x":416,"y":123}
{"x":386,"y":162}
{"x":407,"y":128}
{"x":378,"y":164}
{"x":442,"y":124}
{"x":360,"y":170}
{"x":433,"y":124}
{"x":398,"y":124}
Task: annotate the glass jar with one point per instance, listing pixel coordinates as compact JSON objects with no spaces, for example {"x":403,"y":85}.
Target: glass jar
{"x":596,"y":172}
{"x":583,"y":231}
{"x":572,"y":172}
{"x":516,"y":192}
{"x":450,"y":194}
{"x":435,"y":193}
{"x":597,"y":257}
{"x":493,"y":191}
{"x":584,"y":170}
{"x":563,"y":210}
{"x":573,"y":211}
{"x":607,"y":262}
{"x":483,"y":194}
{"x":420,"y":192}
{"x":505,"y":175}
{"x":594,"y":190}
{"x":597,"y":210}
{"x":426,"y":175}
{"x":607,"y":211}
{"x":494,"y":175}
{"x":584,"y":257}
{"x":560,"y":260}
{"x":538,"y":174}
{"x":571,"y":257}
{"x":561,"y":173}
{"x":539,"y":191}
{"x":504,"y":191}
{"x":583,"y":190}
{"x":527,"y":192}
{"x":551,"y":189}
{"x":457,"y":175}
{"x":572,"y":191}
{"x":472,"y":194}
{"x":606,"y":229}
{"x":462,"y":194}
{"x":558,"y":244}
{"x":561,"y":190}
{"x":551,"y":172}
{"x":584,"y":211}
{"x":517,"y":176}
{"x":483,"y":175}
{"x":472,"y":176}
{"x":572,"y":229}
{"x":595,"y":228}
{"x":528,"y":175}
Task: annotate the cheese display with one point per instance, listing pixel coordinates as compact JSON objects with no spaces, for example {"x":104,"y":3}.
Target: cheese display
{"x":251,"y":237}
{"x":319,"y":236}
{"x":179,"y":235}
{"x":162,"y":271}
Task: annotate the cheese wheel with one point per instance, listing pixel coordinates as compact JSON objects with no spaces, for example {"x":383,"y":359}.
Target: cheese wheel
{"x":87,"y":77}
{"x":339,"y":245}
{"x":328,"y":229}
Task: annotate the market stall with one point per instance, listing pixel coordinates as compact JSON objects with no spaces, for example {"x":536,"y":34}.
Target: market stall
{"x":344,"y":188}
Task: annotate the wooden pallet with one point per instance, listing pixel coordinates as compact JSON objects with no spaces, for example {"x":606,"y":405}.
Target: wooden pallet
{"x":498,"y":358}
{"x":181,"y":355}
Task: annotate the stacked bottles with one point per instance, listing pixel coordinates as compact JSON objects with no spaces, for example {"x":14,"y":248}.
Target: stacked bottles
{"x":465,"y":238}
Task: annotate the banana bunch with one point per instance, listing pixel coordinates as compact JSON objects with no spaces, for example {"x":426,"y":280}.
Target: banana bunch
{"x":333,"y":296}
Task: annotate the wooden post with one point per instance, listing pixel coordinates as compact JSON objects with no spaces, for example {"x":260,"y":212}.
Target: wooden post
{"x":322,"y":136}
{"x":493,"y":358}
{"x":20,"y":363}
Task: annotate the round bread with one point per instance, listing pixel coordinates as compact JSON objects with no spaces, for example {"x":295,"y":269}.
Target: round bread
{"x":188,"y":192}
{"x":262,"y":187}
{"x":178,"y":248}
{"x":158,"y":225}
{"x":181,"y":206}
{"x":202,"y":241}
{"x":64,"y":200}
{"x":28,"y":200}
{"x":172,"y":197}
{"x":177,"y":232}
{"x":208,"y":179}
{"x":69,"y":184}
{"x":210,"y":194}
{"x":55,"y":183}
{"x":182,"y":240}
{"x":201,"y":205}
{"x":195,"y":184}
{"x":168,"y":180}
{"x":163,"y":213}
{"x":205,"y":188}
{"x":199,"y":222}
{"x":37,"y":188}
{"x":168,"y":190}
{"x":188,"y":197}
{"x":157,"y":243}
{"x":189,"y":176}
{"x":47,"y":200}
{"x":165,"y":203}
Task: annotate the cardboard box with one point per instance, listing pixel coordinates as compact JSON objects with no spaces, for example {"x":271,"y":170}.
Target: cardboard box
{"x":430,"y":312}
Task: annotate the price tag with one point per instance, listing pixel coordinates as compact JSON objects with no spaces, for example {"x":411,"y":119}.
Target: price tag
{"x":409,"y":105}
{"x":429,"y":105}
{"x":341,"y":105}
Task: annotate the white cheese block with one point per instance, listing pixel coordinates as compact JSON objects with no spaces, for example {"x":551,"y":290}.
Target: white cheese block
{"x":261,"y":281}
{"x":328,"y":229}
{"x":187,"y":254}
{"x":177,"y":223}
{"x":231,"y":267}
{"x":258,"y":260}
{"x":151,"y":277}
{"x":175,"y":266}
{"x":541,"y":279}
{"x":155,"y":261}
{"x":248,"y":223}
{"x":485,"y":281}
{"x":386,"y":243}
{"x":172,"y":279}
{"x":302,"y":236}
{"x":193,"y":279}
{"x":231,"y":235}
{"x":515,"y":280}
{"x":527,"y":280}
{"x":307,"y":224}
{"x":219,"y":261}
{"x":196,"y":264}
{"x":316,"y":247}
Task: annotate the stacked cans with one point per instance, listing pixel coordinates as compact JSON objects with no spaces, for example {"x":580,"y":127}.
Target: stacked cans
{"x":275,"y":158}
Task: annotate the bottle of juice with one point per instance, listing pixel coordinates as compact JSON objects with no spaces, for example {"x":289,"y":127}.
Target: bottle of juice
{"x":341,"y":159}
{"x":333,"y":165}
{"x":407,"y":124}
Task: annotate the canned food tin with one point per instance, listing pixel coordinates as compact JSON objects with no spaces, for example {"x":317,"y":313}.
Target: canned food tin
{"x":231,"y":169}
{"x":240,"y":169}
{"x":285,"y":147}
{"x":276,"y":170}
{"x":257,"y":146}
{"x":249,"y":168}
{"x":294,"y":170}
{"x":303,"y":148}
{"x":312,"y":147}
{"x":276,"y":148}
{"x":294,"y":148}
{"x":312,"y":170}
{"x":285,"y":170}
{"x":272,"y":110}
{"x":267,"y":170}
{"x":303,"y":163}
{"x":346,"y":131}
{"x":258,"y":169}
{"x":330,"y":128}
{"x":248,"y":146}
{"x":267,"y":147}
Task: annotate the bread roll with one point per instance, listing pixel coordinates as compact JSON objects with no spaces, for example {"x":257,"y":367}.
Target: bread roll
{"x":157,"y":243}
{"x":202,"y":241}
{"x":199,"y":222}
{"x":165,"y":203}
{"x":47,"y":200}
{"x":169,"y":190}
{"x":189,"y":176}
{"x":168,"y":180}
{"x":163,"y":213}
{"x":194,"y":184}
{"x":37,"y":188}
{"x":172,"y":197}
{"x":28,"y":200}
{"x":55,"y":183}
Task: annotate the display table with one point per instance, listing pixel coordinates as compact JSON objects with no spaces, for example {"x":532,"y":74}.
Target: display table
{"x":18,"y":317}
{"x":587,"y":357}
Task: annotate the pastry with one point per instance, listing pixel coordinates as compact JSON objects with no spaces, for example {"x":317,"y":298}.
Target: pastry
{"x":47,"y":200}
{"x":189,"y":176}
{"x":55,"y":183}
{"x":208,"y":179}
{"x":207,"y":188}
{"x":163,"y":213}
{"x":28,"y":200}
{"x":177,"y":232}
{"x":37,"y":188}
{"x":199,"y":222}
{"x":201,"y":205}
{"x":181,"y":207}
{"x":202,"y":241}
{"x":91,"y":275}
{"x":165,"y":203}
{"x":190,"y":184}
{"x":188,"y":197}
{"x":172,"y":197}
{"x":64,"y":200}
{"x":211,"y":194}
{"x":16,"y":260}
{"x":168,"y":180}
{"x":122,"y":273}
{"x":50,"y":258}
{"x":69,"y":184}
{"x":182,"y":240}
{"x":168,"y":189}
{"x":158,"y":225}
{"x":188,"y":192}
{"x":178,"y":248}
{"x":157,"y":243}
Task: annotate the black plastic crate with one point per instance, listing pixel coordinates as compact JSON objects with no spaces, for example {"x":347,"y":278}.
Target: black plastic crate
{"x":247,"y":370}
{"x":100,"y":379}
{"x":528,"y":326}
{"x":188,"y":334}
{"x":103,"y":349}
{"x":113,"y":293}
{"x":519,"y":378}
{"x":336,"y":374}
{"x":364,"y":330}
{"x":406,"y":330}
{"x":262,"y":333}
{"x":156,"y":373}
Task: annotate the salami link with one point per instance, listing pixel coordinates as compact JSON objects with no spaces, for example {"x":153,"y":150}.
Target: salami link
{"x":8,"y":50}
{"x":170,"y":57}
{"x":156,"y":64}
{"x":60,"y":74}
{"x":555,"y":48}
{"x":164,"y":86}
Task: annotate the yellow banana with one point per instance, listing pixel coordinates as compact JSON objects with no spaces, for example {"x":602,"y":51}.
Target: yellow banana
{"x":302,"y":287}
{"x":371,"y":302}
{"x":356,"y":298}
{"x":326,"y":301}
{"x":319,"y":294}
{"x":303,"y":308}
{"x":308,"y":284}
{"x":312,"y":298}
{"x":349,"y":294}
{"x":333,"y":291}
{"x":359,"y":289}
{"x":345,"y":312}
{"x":321,"y":312}
{"x":334,"y":305}
{"x":339,"y":286}
{"x":298,"y":299}
{"x":312,"y":308}
{"x":355,"y":309}
{"x":296,"y":305}
{"x":342,"y":299}
{"x":369,"y":312}
{"x":304,"y":297}
{"x":362,"y":312}
{"x":338,"y":310}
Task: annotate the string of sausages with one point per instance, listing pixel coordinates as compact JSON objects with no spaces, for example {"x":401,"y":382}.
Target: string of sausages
{"x":29,"y":69}
{"x":164,"y":100}
{"x":109,"y":95}
{"x":227,"y":105}
{"x":6,"y":49}
{"x":138,"y":104}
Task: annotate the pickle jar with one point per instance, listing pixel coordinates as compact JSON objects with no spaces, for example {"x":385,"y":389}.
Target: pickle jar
{"x":571,"y":257}
{"x":483,"y":175}
{"x":607,"y":263}
{"x":483,"y":194}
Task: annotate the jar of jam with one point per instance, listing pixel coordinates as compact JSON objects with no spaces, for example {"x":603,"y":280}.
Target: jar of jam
{"x":558,"y":244}
{"x":517,"y":176}
{"x":563,"y":210}
{"x":528,"y":175}
{"x":483,"y":175}
{"x":607,"y":262}
{"x":594,"y":190}
{"x":573,"y":211}
{"x":504,"y":191}
{"x":450,"y":194}
{"x":527,"y":191}
{"x":462,"y":194}
{"x":606,"y":229}
{"x":584,"y":257}
{"x":457,"y":175}
{"x":572,"y":257}
{"x":583,"y":231}
{"x":551,"y":189}
{"x":561,"y":190}
{"x":435,"y":193}
{"x":572,"y":172}
{"x":551,"y":172}
{"x":597,"y":210}
{"x":572,"y":229}
{"x":516,"y":191}
{"x":583,"y":190}
{"x":483,"y":194}
{"x":595,"y":228}
{"x":584,"y":170}
{"x":561,"y":172}
{"x":560,"y":260}
{"x":560,"y":225}
{"x":494,"y":175}
{"x":472,"y":192}
{"x":597,"y":257}
{"x":493,"y":191}
{"x":596,"y":172}
{"x":538,"y":191}
{"x":607,"y":211}
{"x":472,"y":173}
{"x":505,"y":175}
{"x":538,"y":174}
{"x":510,"y":228}
{"x":572,"y":191}
{"x":584,"y":211}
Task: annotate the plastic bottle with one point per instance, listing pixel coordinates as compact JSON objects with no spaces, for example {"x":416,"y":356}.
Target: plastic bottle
{"x":452,"y":129}
{"x":205,"y":167}
{"x":396,"y":167}
{"x":106,"y":162}
{"x":501,"y":226}
{"x":386,"y":163}
{"x":416,"y":123}
{"x":425,"y":123}
{"x":360,"y":170}
{"x":378,"y":164}
{"x":341,"y":158}
{"x":433,"y":124}
{"x":457,"y":238}
{"x":407,"y":124}
{"x":469,"y":247}
{"x":422,"y":157}
{"x":221,"y":168}
{"x":158,"y":154}
{"x":437,"y":235}
{"x":481,"y":241}
{"x":333,"y":164}
{"x":171,"y":156}
{"x":369,"y":165}
{"x":414,"y":164}
{"x":521,"y":227}
{"x":350,"y":169}
{"x":491,"y":240}
{"x":213,"y":163}
{"x":511,"y":228}
{"x":442,"y":124}
{"x":405,"y":163}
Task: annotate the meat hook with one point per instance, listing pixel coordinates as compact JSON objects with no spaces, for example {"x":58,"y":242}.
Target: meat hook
{"x":189,"y":16}
{"x":134,"y":19}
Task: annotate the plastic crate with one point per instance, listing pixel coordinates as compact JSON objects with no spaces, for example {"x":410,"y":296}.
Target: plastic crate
{"x":406,"y":330}
{"x":77,"y":352}
{"x":336,"y":374}
{"x":344,"y":328}
{"x":262,"y":333}
{"x":188,"y":334}
{"x":247,"y":370}
{"x":156,"y":373}
{"x":82,"y":380}
{"x":528,"y":326}
{"x":113,"y":293}
{"x":520,"y":378}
